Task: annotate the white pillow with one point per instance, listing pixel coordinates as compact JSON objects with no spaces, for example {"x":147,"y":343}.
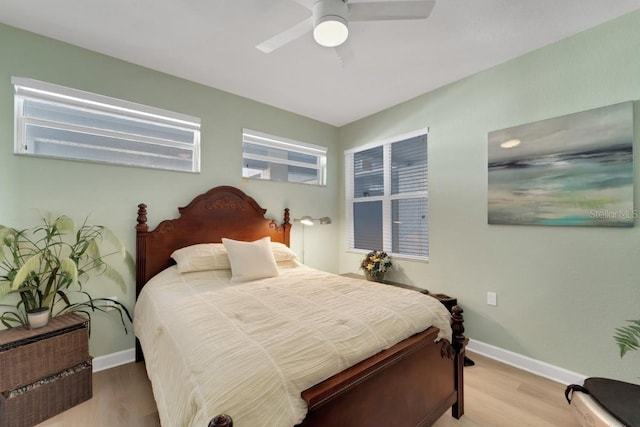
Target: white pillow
{"x":250,"y":260}
{"x":213,"y":256}
{"x":281,"y":252}
{"x":201,"y":257}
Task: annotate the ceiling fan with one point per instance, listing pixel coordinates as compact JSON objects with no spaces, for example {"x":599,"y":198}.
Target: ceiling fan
{"x":330,"y":19}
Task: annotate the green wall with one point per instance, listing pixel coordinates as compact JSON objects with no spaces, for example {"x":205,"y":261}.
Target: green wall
{"x":561,"y":291}
{"x":110,"y":194}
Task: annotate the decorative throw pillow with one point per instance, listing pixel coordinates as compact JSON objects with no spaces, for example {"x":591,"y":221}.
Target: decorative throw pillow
{"x":250,"y":260}
{"x":201,"y":257}
{"x":281,"y":252}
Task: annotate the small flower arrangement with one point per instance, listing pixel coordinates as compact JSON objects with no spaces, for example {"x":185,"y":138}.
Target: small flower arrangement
{"x":375,"y":264}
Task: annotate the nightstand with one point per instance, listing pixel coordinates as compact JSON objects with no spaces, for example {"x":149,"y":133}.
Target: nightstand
{"x":44,"y":371}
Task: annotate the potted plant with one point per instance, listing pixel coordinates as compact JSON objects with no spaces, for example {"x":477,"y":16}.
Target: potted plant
{"x":628,"y":337}
{"x":47,"y":265}
{"x":375,"y":265}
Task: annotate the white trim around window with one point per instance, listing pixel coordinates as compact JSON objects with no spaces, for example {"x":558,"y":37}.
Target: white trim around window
{"x":62,"y":122}
{"x":274,"y":158}
{"x":386,"y":196}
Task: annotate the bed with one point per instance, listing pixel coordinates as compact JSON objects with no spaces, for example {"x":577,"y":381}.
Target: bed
{"x":189,"y":350}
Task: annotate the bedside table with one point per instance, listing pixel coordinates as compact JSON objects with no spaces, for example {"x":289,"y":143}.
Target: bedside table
{"x":44,"y":371}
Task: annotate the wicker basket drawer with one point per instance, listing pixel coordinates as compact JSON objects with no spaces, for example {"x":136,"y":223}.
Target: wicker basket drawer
{"x":53,"y":349}
{"x":28,"y":363}
{"x":31,"y":404}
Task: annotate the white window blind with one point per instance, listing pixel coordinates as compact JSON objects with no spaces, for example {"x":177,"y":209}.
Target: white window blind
{"x":56,"y":121}
{"x":387,"y":197}
{"x":274,"y":158}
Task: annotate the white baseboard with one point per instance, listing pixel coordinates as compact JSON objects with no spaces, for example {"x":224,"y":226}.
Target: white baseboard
{"x":112,"y":360}
{"x":543,"y":369}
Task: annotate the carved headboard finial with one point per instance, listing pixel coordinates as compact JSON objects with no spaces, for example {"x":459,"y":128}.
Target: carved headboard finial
{"x":286,"y":216}
{"x":142,"y":218}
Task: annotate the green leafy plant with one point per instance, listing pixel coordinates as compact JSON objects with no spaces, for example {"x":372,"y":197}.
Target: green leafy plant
{"x":628,"y":337}
{"x":47,"y":266}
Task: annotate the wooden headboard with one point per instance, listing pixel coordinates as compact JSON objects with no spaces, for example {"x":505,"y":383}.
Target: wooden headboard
{"x":220,"y":212}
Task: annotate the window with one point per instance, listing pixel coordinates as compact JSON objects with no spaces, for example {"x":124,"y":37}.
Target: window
{"x":387,"y":197}
{"x":57,"y":121}
{"x":279,"y":159}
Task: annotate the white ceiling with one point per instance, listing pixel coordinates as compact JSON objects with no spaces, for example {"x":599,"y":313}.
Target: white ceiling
{"x":213,"y":42}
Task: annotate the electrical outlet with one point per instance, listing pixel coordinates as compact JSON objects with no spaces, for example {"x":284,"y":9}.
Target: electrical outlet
{"x":110,"y":304}
{"x":492,"y":298}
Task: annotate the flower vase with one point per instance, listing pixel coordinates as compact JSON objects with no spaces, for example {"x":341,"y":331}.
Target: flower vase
{"x":38,"y":317}
{"x":374,"y":276}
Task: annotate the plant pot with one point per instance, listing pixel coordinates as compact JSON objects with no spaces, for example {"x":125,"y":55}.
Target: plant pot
{"x":374,"y":276}
{"x":38,"y":317}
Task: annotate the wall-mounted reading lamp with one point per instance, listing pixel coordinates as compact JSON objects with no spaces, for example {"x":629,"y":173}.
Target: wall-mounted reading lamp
{"x":307,"y":220}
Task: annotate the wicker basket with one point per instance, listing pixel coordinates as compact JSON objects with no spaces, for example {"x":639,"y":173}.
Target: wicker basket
{"x":43,"y":371}
{"x":32,"y":404}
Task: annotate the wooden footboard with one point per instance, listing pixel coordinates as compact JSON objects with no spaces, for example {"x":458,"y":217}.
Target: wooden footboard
{"x":411,"y":384}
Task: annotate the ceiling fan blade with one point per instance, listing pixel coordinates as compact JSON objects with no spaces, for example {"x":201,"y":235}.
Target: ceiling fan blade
{"x":390,"y":10}
{"x":306,"y":3}
{"x":287,"y":36}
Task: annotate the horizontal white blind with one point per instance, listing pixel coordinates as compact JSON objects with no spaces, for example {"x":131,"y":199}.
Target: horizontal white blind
{"x":368,"y":172}
{"x":409,"y":166}
{"x":409,"y":207}
{"x":410,"y":229}
{"x":274,"y":158}
{"x":73,"y":97}
{"x":261,"y":138}
{"x":387,"y":197}
{"x":56,"y":121}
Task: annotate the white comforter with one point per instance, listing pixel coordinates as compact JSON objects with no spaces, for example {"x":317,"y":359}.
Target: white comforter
{"x":249,"y":350}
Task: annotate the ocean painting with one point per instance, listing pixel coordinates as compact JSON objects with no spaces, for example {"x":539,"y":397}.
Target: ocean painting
{"x":574,"y":170}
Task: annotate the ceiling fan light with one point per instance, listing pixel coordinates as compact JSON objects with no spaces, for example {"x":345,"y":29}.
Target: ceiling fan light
{"x":330,"y":31}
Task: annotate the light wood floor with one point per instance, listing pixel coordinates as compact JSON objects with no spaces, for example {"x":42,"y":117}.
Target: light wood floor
{"x":496,"y":395}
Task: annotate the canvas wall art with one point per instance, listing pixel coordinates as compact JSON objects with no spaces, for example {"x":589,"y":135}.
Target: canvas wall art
{"x":574,"y":170}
